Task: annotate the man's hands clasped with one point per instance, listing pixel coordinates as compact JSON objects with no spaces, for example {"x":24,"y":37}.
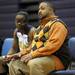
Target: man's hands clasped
{"x":26,"y":58}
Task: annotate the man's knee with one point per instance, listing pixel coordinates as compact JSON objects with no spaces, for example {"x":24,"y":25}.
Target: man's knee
{"x":33,"y":63}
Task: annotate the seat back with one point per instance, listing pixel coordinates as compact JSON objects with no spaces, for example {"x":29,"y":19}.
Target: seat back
{"x":71,"y":45}
{"x":6,"y":46}
{"x":70,"y":70}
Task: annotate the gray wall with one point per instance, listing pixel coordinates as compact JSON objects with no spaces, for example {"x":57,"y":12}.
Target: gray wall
{"x":8,"y":8}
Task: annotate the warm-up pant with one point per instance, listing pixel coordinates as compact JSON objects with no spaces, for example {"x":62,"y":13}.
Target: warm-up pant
{"x":36,"y":66}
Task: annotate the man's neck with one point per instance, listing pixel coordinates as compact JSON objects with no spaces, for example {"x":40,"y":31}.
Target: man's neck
{"x":45,"y":20}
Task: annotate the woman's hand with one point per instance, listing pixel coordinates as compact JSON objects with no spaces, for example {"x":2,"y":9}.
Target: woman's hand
{"x":7,"y":58}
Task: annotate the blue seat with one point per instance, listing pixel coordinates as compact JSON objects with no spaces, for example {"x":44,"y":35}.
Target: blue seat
{"x":71,"y":68}
{"x":71,"y":45}
{"x":6,"y":46}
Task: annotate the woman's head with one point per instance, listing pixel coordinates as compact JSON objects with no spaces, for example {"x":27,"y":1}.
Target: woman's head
{"x":21,"y":19}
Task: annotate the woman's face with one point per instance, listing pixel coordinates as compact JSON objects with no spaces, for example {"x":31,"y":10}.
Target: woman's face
{"x":20,"y":21}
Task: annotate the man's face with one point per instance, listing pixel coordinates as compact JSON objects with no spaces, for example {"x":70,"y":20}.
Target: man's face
{"x":43,"y":10}
{"x":20,"y":21}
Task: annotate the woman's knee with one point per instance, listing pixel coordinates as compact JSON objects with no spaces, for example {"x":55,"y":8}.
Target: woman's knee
{"x":10,"y":63}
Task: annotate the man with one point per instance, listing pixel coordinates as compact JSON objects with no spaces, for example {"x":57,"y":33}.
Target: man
{"x":48,"y":48}
{"x":23,"y":35}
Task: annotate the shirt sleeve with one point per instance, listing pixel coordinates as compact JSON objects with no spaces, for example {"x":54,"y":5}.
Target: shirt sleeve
{"x":57,"y":35}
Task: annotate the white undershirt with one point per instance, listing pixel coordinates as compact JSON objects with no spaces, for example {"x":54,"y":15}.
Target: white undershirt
{"x":23,"y":40}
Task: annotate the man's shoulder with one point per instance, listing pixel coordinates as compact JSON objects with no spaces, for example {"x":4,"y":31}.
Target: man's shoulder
{"x":57,"y":21}
{"x":61,"y":21}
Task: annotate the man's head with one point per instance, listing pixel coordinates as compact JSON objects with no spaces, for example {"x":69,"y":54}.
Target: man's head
{"x":45,"y":9}
{"x":21,"y":19}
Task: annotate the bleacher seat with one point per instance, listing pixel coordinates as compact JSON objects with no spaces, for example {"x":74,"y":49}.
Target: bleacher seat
{"x":6,"y":46}
{"x":71,"y":68}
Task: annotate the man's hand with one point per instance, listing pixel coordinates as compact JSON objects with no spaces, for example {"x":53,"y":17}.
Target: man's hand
{"x":26,"y":58}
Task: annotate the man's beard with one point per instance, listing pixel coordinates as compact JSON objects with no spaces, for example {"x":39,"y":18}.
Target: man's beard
{"x":43,"y":17}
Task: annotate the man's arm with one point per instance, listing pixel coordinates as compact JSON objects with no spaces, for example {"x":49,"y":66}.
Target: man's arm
{"x":57,"y":35}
